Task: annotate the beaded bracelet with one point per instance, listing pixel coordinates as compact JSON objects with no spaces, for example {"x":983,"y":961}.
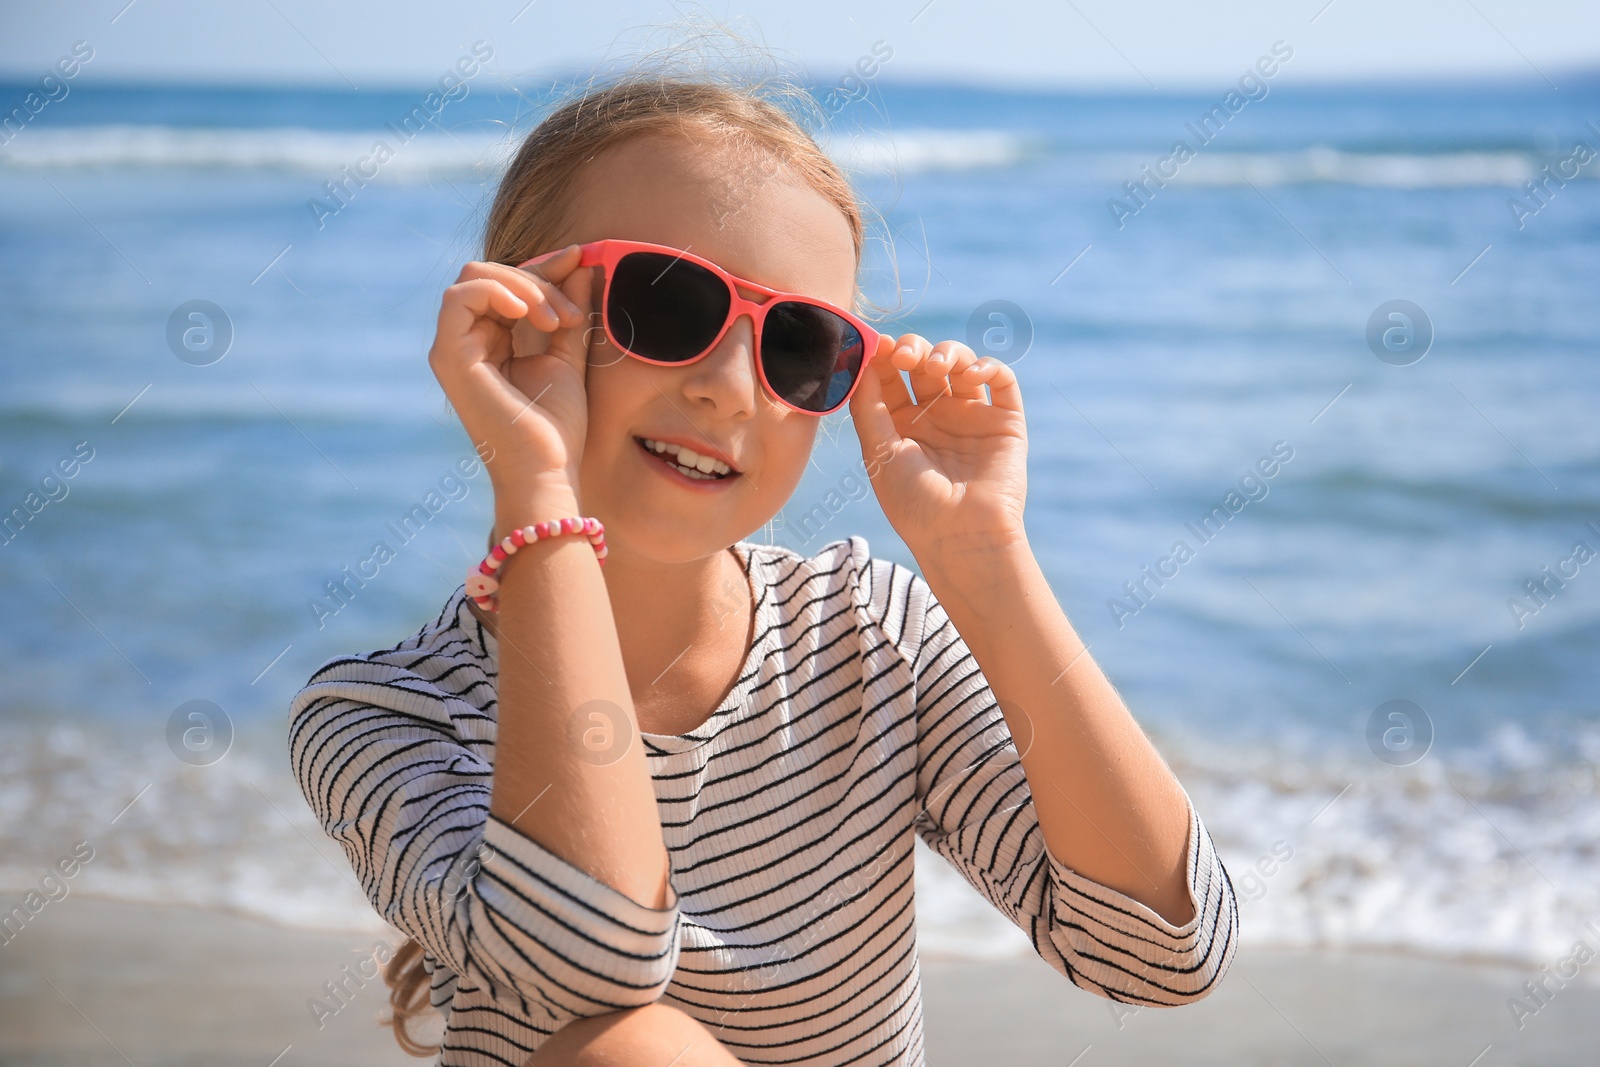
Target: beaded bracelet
{"x":482,"y":583}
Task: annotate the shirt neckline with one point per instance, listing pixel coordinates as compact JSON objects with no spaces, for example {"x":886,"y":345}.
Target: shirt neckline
{"x":734,"y":706}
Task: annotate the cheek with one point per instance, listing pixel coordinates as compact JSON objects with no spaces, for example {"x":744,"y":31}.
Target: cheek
{"x":614,"y":387}
{"x":611,"y":397}
{"x":787,"y":453}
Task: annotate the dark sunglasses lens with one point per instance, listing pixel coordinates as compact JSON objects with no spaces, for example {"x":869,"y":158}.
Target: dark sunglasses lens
{"x":663,"y":307}
{"x":810,"y":355}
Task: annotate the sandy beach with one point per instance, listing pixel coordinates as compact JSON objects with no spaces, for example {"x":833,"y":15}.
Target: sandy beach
{"x":101,"y":982}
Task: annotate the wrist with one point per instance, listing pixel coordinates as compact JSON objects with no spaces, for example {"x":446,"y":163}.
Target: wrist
{"x":528,"y":503}
{"x":975,"y":569}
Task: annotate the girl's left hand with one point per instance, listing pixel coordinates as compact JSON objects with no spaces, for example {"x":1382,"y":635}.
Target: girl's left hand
{"x":949,"y":470}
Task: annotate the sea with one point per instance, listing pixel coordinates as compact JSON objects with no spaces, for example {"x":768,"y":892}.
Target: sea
{"x":1311,"y":384}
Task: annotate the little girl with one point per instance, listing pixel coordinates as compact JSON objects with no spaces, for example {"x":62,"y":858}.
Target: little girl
{"x":645,"y":792}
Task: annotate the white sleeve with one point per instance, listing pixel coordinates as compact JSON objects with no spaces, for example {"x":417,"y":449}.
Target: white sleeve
{"x":391,"y":780}
{"x":979,"y":815}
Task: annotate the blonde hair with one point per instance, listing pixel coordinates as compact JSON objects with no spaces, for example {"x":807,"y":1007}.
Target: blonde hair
{"x":536,"y":194}
{"x":738,"y":113}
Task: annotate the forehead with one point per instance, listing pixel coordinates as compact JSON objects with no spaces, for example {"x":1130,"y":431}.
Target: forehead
{"x":738,"y":207}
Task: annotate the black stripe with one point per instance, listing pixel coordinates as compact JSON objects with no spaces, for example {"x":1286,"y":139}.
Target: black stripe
{"x":866,"y":720}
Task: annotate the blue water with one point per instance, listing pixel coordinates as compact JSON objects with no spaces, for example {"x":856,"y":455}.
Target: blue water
{"x":1226,"y":315}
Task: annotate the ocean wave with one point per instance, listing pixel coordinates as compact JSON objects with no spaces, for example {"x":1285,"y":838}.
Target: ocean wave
{"x":324,"y":153}
{"x":914,"y":150}
{"x":181,"y":406}
{"x":922,"y":149}
{"x":1320,"y":165}
{"x":288,"y":149}
{"x":234,"y":836}
{"x":1328,"y":166}
{"x":1488,"y":852}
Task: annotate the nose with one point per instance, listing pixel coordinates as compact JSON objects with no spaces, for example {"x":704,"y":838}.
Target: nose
{"x":727,"y":378}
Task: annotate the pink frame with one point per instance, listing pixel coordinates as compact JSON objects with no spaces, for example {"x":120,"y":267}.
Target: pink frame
{"x":607,"y":252}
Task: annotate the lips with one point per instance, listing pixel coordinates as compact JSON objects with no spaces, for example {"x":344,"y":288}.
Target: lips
{"x":700,"y":467}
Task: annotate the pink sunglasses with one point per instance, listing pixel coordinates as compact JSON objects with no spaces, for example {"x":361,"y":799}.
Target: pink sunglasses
{"x":665,"y":306}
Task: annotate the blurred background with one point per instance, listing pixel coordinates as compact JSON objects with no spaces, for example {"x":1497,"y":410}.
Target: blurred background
{"x":1296,"y":287}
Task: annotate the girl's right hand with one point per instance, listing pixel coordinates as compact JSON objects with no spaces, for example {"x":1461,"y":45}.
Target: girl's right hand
{"x":528,"y":412}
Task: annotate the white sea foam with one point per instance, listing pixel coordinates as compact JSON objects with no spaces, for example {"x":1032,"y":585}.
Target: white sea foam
{"x":919,"y":150}
{"x":235,"y":836}
{"x":1490,"y":853}
{"x":1323,"y":165}
{"x":313,"y":152}
{"x":323,"y":154}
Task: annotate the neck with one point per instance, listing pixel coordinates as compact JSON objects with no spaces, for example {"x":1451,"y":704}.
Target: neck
{"x":672,"y":618}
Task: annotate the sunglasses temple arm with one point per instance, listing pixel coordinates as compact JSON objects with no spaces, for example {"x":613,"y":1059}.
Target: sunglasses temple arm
{"x":588,"y":258}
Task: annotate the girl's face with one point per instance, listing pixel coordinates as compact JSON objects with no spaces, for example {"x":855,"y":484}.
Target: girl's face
{"x":726,"y":207}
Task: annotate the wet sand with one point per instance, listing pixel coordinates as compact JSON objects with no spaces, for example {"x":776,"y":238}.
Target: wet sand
{"x":98,"y":982}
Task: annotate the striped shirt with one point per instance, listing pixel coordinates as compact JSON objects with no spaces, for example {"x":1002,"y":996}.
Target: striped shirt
{"x":859,"y":719}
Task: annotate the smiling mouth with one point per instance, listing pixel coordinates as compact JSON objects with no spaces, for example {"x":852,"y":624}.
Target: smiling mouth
{"x":686,"y":462}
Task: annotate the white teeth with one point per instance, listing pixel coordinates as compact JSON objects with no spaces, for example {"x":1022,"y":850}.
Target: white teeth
{"x":688,"y":460}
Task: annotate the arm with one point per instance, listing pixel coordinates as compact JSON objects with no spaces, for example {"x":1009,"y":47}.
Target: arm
{"x":573,"y":908}
{"x":560,"y":660}
{"x":1109,"y":807}
{"x":1092,"y":845}
{"x":394,"y":765}
{"x":980,"y":814}
{"x":559,"y":651}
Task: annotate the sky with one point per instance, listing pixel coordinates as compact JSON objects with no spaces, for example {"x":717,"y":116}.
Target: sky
{"x":1115,"y":45}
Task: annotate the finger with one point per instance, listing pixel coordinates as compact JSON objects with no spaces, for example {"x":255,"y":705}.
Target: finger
{"x":948,"y":359}
{"x":909,"y":348}
{"x":553,"y":260}
{"x":881,"y":393}
{"x":572,"y":342}
{"x":968,"y":382}
{"x":553,"y":269}
{"x":891,"y":386}
{"x":550,"y":309}
{"x":463,"y":305}
{"x":911,"y":354}
{"x":1004,"y":391}
{"x":546,"y":307}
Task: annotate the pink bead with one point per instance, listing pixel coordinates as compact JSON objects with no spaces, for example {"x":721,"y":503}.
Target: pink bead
{"x":483,"y":582}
